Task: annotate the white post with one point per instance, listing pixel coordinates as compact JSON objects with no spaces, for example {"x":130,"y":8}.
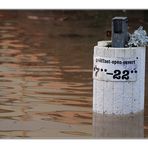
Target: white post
{"x":118,"y":85}
{"x":118,"y":79}
{"x":118,"y":90}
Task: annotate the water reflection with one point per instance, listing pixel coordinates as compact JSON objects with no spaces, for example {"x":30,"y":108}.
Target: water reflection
{"x":113,"y":126}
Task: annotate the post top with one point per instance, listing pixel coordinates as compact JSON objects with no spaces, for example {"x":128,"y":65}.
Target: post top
{"x":119,"y":18}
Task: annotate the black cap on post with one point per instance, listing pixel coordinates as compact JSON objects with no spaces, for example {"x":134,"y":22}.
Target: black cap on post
{"x":119,"y":31}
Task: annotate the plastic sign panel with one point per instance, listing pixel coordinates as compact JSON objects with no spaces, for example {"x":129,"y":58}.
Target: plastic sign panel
{"x":115,"y":69}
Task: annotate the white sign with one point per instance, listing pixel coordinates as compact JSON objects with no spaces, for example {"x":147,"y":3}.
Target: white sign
{"x":115,"y":69}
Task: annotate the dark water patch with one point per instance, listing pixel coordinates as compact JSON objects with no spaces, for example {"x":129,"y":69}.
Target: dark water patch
{"x":74,"y":35}
{"x":5,"y":111}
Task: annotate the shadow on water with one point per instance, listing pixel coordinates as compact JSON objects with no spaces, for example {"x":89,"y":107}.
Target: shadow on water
{"x":46,"y":73}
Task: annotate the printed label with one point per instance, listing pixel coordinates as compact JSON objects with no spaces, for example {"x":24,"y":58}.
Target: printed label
{"x":115,"y":69}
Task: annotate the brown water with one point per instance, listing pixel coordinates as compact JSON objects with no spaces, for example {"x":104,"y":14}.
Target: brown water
{"x":46,"y":74}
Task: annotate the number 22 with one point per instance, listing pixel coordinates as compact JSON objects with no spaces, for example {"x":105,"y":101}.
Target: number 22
{"x":117,"y":74}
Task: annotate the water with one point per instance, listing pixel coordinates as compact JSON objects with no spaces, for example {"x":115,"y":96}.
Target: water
{"x":115,"y":126}
{"x":46,"y":74}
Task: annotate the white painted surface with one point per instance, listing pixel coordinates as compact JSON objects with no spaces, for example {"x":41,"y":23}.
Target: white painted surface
{"x":119,"y":97}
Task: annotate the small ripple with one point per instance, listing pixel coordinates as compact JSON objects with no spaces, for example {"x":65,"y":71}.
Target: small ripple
{"x":69,"y":117}
{"x":5,"y":111}
{"x":76,"y":133}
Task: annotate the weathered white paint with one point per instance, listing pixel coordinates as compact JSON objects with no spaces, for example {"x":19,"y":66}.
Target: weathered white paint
{"x":119,"y":97}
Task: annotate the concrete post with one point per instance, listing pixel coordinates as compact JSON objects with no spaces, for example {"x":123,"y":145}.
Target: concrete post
{"x":118,"y":83}
{"x":118,"y":80}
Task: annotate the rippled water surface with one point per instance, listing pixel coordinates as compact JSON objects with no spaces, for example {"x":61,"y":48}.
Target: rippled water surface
{"x":46,"y":75}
